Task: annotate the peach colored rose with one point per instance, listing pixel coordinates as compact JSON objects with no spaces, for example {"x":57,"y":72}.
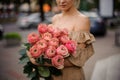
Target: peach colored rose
{"x":54,"y":42}
{"x":62,"y":50}
{"x":50,"y":29}
{"x":50,"y":52}
{"x":58,"y":62}
{"x":47,"y":36}
{"x":71,"y":46}
{"x":56,"y":32}
{"x":35,"y":52}
{"x":64,"y":39}
{"x":33,"y":38}
{"x":41,"y":44}
{"x":42,"y":28}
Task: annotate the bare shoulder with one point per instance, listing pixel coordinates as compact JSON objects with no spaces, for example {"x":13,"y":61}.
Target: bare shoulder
{"x":84,"y":18}
{"x":83,"y":22}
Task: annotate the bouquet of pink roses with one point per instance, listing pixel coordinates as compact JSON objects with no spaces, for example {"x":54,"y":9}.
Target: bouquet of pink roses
{"x":51,"y":45}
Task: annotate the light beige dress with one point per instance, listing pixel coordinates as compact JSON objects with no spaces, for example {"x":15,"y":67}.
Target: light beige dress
{"x":82,"y":55}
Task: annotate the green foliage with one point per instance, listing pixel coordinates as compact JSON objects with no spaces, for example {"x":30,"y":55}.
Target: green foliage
{"x":31,"y":71}
{"x":28,"y":45}
{"x":41,"y":60}
{"x":55,"y":71}
{"x":22,"y":52}
{"x":12,"y":35}
{"x":44,"y":71}
{"x":28,"y":68}
{"x":23,"y":58}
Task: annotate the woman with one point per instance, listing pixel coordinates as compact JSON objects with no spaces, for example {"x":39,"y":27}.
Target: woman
{"x":79,"y":26}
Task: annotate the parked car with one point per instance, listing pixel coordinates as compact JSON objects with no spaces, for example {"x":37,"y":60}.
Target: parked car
{"x":28,"y":21}
{"x":1,"y":31}
{"x":97,"y":23}
{"x":32,"y":20}
{"x":113,"y":22}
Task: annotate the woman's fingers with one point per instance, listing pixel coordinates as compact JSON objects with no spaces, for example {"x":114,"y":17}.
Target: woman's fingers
{"x":33,"y":61}
{"x":28,"y":54}
{"x":31,"y":58}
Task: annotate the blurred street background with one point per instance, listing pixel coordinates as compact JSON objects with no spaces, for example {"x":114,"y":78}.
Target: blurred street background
{"x":22,"y":17}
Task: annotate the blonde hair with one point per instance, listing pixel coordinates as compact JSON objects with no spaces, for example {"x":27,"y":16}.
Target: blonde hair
{"x":77,"y":3}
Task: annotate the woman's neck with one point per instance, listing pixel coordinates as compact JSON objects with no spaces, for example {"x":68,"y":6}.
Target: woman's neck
{"x":70,"y":12}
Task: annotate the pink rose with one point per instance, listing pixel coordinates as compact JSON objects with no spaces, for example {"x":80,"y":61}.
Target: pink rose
{"x":42,"y":28}
{"x":64,"y":39}
{"x":41,"y":44}
{"x":58,"y":62}
{"x":47,"y":36}
{"x":50,"y":52}
{"x":62,"y":50}
{"x":54,"y":42}
{"x":35,"y":52}
{"x":50,"y":29}
{"x":33,"y":38}
{"x":56,"y":32}
{"x":71,"y":46}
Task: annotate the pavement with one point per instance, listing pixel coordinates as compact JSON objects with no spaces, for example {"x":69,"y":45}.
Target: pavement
{"x":10,"y":69}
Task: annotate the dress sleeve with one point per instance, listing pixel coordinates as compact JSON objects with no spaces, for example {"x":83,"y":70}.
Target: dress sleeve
{"x":82,"y":37}
{"x":82,"y":55}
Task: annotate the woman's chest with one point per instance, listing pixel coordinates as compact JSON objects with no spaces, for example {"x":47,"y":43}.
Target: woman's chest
{"x":68,"y":24}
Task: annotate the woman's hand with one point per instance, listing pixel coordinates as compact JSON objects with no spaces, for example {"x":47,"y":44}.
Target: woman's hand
{"x":32,"y":59}
{"x":34,"y":62}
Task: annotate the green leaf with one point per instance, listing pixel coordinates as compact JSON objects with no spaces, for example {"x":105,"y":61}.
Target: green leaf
{"x":44,"y":71}
{"x":22,"y":57}
{"x":40,"y":60}
{"x":35,"y":78}
{"x":22,"y":52}
{"x":55,"y":71}
{"x":28,"y":68}
{"x":28,"y":45}
{"x":32,"y":74}
{"x":24,"y":60}
{"x":47,"y":60}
